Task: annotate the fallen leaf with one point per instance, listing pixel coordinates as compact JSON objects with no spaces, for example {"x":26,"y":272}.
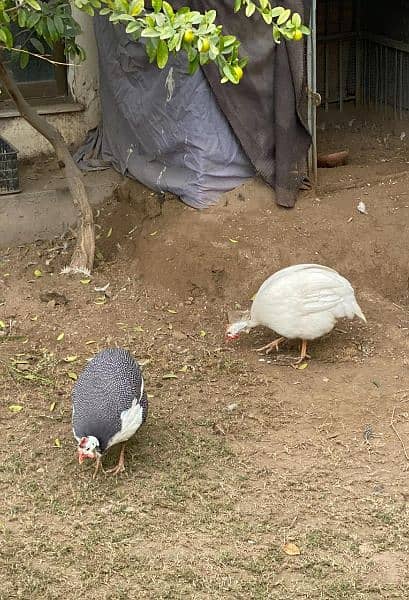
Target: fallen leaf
{"x":233,"y":241}
{"x":60,"y":337}
{"x":72,"y":375}
{"x":138,"y":329}
{"x":90,"y":342}
{"x":109,"y":233}
{"x":183,"y":369}
{"x":291,"y":549}
{"x":153,"y":233}
{"x":15,"y":408}
{"x":70,"y":359}
{"x":52,"y":406}
{"x":150,"y":395}
{"x":85,"y":281}
{"x":2,"y":325}
{"x":170,"y":376}
{"x":100,"y":300}
{"x":34,"y":318}
{"x":38,"y":273}
{"x":202,"y":333}
{"x":302,"y":366}
{"x":171,"y":311}
{"x":57,"y":443}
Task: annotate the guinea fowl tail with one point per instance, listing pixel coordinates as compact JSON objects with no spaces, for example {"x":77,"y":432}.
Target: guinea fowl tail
{"x":359,"y":312}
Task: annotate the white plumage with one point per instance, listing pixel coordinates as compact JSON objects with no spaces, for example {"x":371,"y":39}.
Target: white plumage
{"x":301,"y":301}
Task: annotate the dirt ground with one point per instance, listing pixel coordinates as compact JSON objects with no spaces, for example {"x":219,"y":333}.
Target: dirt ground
{"x":241,"y":454}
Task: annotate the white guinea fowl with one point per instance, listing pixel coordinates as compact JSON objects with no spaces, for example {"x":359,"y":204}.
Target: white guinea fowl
{"x":301,"y":301}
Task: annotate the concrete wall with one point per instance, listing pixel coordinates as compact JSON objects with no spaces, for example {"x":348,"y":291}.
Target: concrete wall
{"x":83,"y":85}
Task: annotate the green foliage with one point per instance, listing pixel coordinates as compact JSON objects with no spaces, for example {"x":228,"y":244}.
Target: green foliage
{"x":32,"y":24}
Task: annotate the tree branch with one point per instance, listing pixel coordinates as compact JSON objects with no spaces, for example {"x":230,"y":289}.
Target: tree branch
{"x":83,"y":256}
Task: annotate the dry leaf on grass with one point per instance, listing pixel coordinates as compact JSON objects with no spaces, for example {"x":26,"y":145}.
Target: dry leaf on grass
{"x":291,"y":549}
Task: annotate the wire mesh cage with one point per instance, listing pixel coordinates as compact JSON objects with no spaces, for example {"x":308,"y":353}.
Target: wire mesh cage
{"x":9,"y":175}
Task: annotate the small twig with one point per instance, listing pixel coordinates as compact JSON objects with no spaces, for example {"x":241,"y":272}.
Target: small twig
{"x":53,"y":62}
{"x":397,"y":433}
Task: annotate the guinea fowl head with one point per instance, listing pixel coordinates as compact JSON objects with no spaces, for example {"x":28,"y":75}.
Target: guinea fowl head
{"x":239,"y":321}
{"x":88,"y":447}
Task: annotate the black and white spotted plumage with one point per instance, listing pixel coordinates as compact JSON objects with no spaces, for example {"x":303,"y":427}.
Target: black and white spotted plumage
{"x":108,"y":400}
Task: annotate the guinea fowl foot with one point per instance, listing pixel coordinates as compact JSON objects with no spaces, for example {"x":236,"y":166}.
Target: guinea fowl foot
{"x":98,"y":465}
{"x":303,"y":353}
{"x":271,"y":346}
{"x":120,"y":467}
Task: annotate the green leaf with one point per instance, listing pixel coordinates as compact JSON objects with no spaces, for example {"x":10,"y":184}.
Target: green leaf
{"x":227,"y":72}
{"x":173,"y":42}
{"x":151,"y":48}
{"x":211,"y":16}
{"x":132,"y":27}
{"x":277,"y":11}
{"x":228,"y":40}
{"x":250,"y":8}
{"x":6,"y":36}
{"x":136,"y":7}
{"x":194,"y":65}
{"x":168,"y":10}
{"x":276,"y":34}
{"x":237,"y":5}
{"x":156,"y":5}
{"x":284,"y":16}
{"x":296,"y":20}
{"x":150,"y":33}
{"x":32,"y":20}
{"x":21,"y":18}
{"x":191,"y":54}
{"x":34,"y":4}
{"x":59,"y":24}
{"x":52,"y":29}
{"x":38,"y":45}
{"x":162,"y":54}
{"x":264,"y":4}
{"x":24,"y":58}
{"x":267,"y":17}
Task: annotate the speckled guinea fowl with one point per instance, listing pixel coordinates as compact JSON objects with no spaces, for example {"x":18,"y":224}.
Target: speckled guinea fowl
{"x":302,"y":301}
{"x":109,"y":404}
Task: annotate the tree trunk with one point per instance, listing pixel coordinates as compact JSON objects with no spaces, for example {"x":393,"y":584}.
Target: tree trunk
{"x":83,"y":256}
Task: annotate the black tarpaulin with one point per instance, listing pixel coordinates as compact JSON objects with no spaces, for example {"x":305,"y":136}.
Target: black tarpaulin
{"x":192,"y":135}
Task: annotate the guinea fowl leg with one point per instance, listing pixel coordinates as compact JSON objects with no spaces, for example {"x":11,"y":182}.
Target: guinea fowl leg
{"x":303,"y":352}
{"x":120,"y":467}
{"x":271,"y":346}
{"x":98,"y":464}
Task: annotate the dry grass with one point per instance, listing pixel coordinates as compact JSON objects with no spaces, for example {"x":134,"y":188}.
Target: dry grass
{"x":212,"y":491}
